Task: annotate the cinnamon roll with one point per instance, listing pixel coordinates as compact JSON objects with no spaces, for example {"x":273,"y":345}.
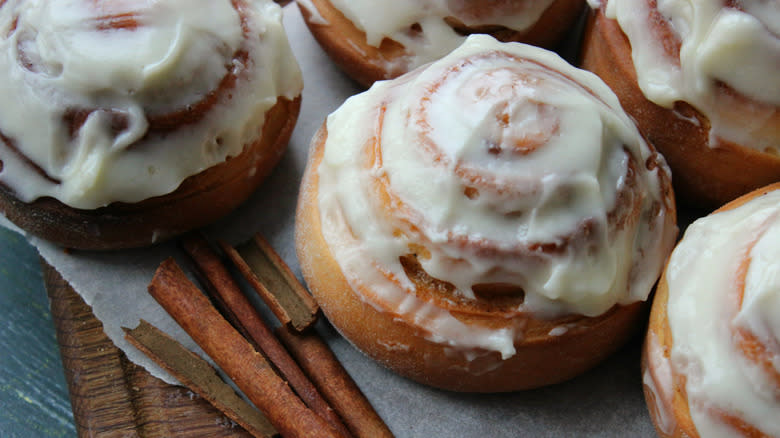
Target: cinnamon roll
{"x":701,"y":80}
{"x":375,"y":40}
{"x":126,"y":123}
{"x":491,"y":222}
{"x":710,"y":359}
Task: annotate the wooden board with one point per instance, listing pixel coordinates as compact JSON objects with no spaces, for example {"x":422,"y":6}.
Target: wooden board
{"x":112,"y":397}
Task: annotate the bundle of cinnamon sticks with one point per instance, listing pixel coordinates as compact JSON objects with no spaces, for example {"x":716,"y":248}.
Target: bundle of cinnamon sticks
{"x":291,"y":376}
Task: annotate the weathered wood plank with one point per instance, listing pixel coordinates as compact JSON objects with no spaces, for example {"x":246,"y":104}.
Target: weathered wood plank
{"x":112,"y":397}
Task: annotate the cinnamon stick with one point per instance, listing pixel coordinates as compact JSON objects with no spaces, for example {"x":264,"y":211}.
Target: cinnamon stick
{"x":312,"y":354}
{"x":219,"y":281}
{"x":270,"y":276}
{"x":325,"y":370}
{"x":234,"y":355}
{"x":199,"y":376}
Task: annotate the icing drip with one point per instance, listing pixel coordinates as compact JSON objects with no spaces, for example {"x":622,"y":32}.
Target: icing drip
{"x":435,"y":38}
{"x":713,"y":39}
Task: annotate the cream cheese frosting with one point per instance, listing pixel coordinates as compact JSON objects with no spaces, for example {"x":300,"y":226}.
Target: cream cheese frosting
{"x":702,"y":277}
{"x":131,"y":61}
{"x":492,"y":150}
{"x":436,"y":38}
{"x":718,"y":45}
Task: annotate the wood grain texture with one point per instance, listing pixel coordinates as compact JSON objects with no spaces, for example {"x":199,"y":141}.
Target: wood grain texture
{"x":112,"y":397}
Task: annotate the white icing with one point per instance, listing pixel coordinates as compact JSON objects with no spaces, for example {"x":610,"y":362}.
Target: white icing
{"x":701,"y":277}
{"x":394,"y":346}
{"x":393,"y":19}
{"x":314,"y":13}
{"x":761,"y":303}
{"x":537,"y":197}
{"x":718,"y":44}
{"x":558,"y":330}
{"x":179,"y":51}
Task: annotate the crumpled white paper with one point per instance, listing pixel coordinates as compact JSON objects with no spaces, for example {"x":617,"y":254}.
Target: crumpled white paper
{"x":606,"y":401}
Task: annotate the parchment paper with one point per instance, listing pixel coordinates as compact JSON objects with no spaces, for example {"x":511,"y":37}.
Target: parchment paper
{"x":606,"y":401}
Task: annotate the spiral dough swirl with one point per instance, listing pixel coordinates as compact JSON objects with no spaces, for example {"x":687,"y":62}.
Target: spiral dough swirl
{"x":499,"y":180}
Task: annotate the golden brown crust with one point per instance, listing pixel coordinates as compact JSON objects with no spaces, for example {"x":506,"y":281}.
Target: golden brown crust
{"x":346,"y":44}
{"x":703,"y":175}
{"x":199,"y":200}
{"x":541,"y":358}
{"x":747,"y":197}
{"x":670,"y":413}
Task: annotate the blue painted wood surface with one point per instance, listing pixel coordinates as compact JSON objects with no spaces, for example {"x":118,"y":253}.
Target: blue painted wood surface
{"x":34,"y":398}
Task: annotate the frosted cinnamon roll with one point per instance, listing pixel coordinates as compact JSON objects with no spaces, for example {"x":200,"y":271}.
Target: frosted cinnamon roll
{"x":701,"y":79}
{"x":710,"y":360}
{"x":491,"y":222}
{"x":375,"y":40}
{"x":124,"y":123}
